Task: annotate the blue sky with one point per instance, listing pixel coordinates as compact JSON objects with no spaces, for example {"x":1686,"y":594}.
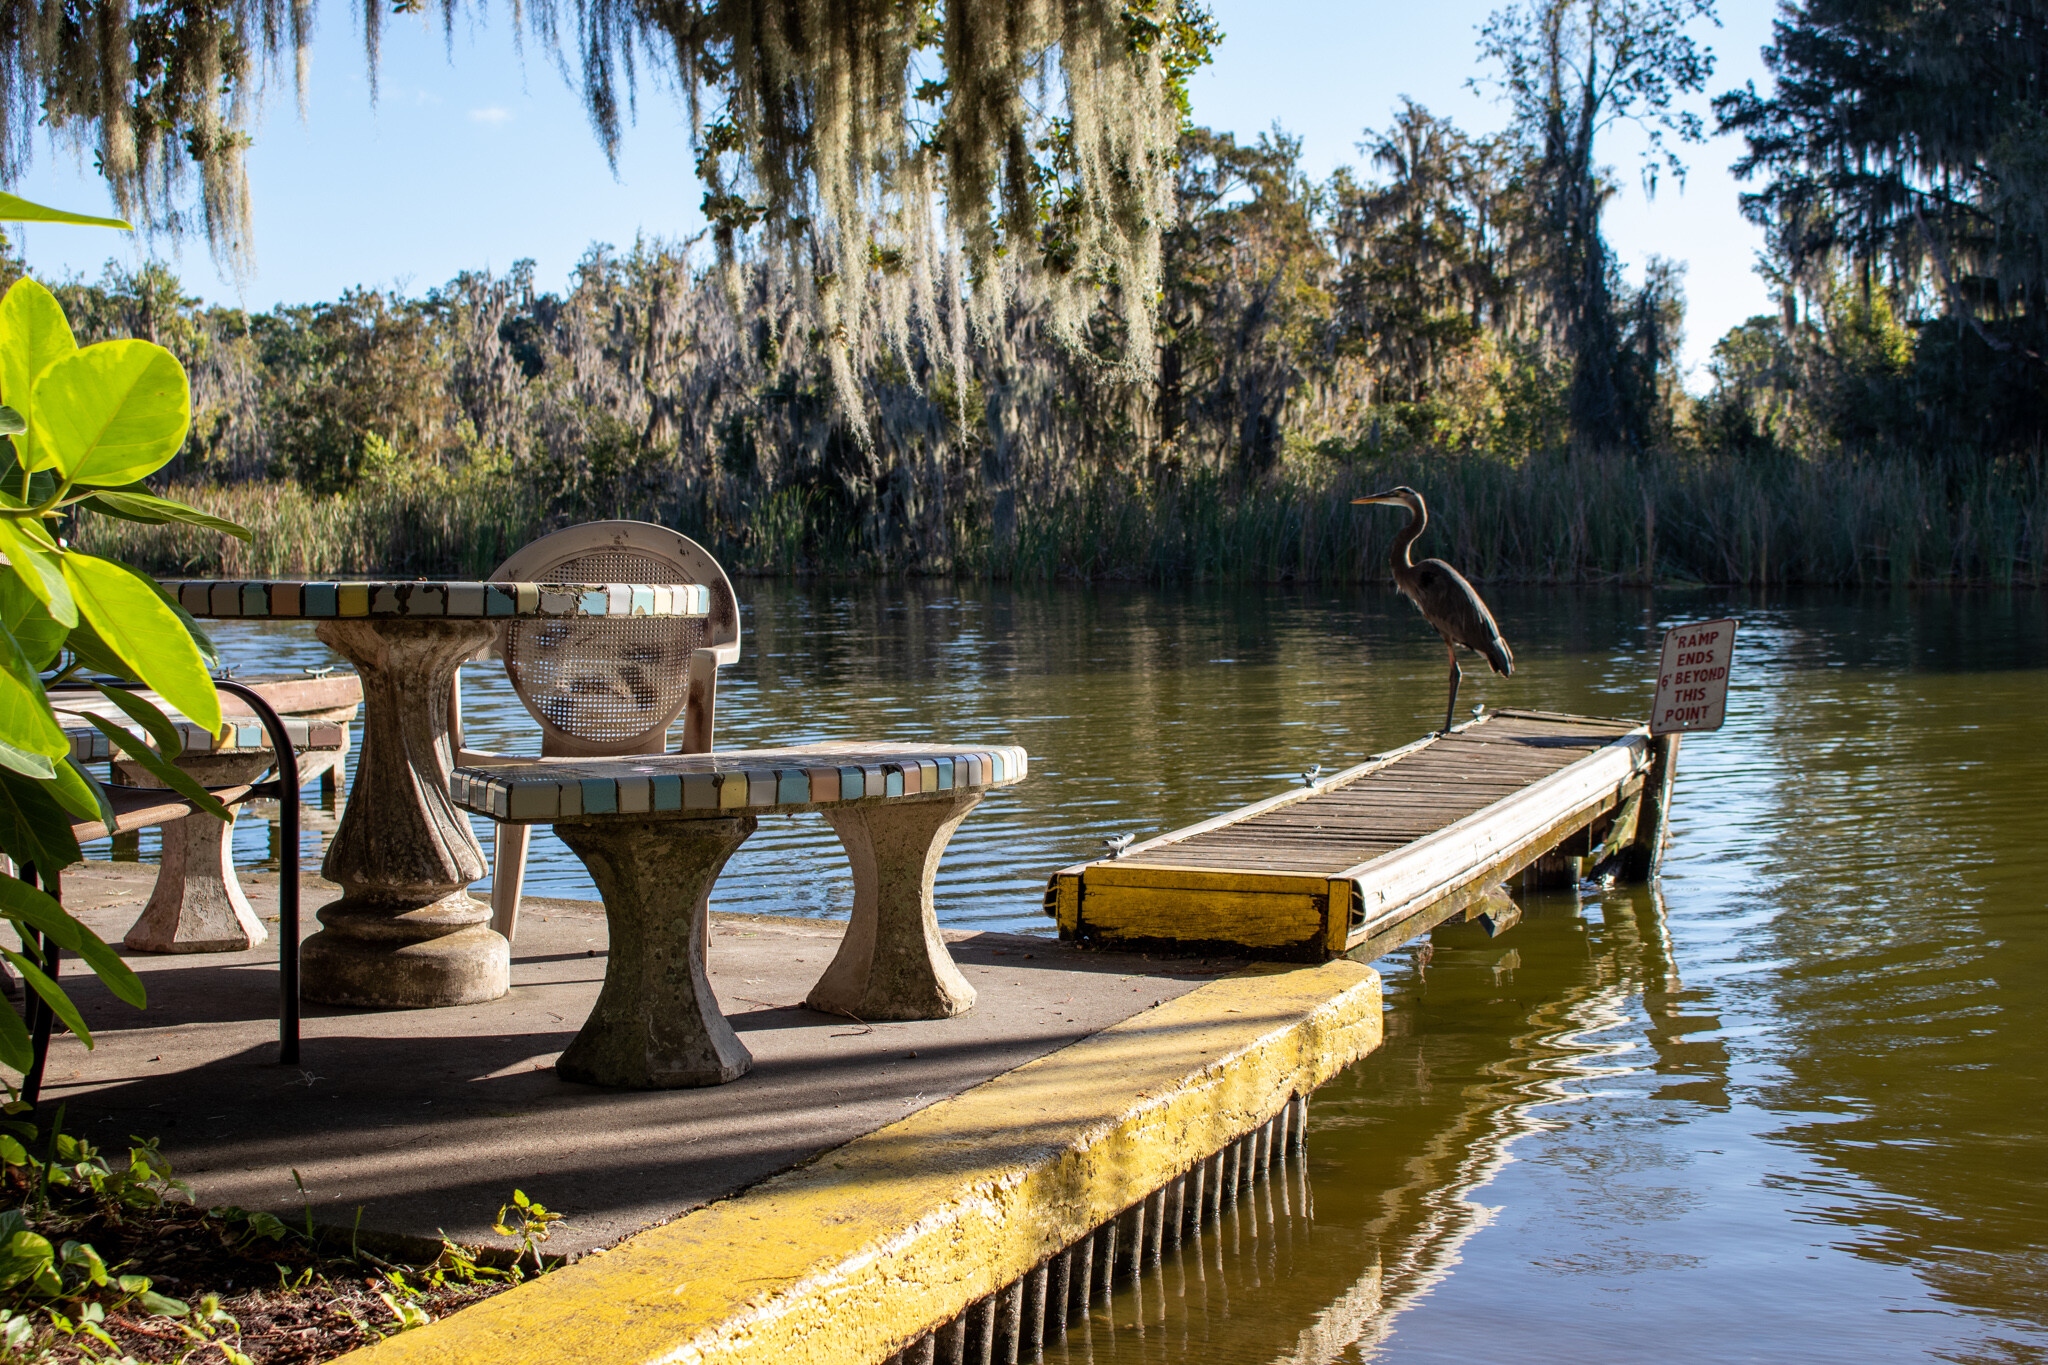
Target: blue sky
{"x":476,"y":156}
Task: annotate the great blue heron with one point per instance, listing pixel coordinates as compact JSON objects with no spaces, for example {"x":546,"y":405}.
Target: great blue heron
{"x":1443,"y":596}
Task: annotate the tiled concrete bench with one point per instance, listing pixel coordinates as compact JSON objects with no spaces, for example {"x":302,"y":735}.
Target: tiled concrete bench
{"x":656,"y":830}
{"x":198,"y":906}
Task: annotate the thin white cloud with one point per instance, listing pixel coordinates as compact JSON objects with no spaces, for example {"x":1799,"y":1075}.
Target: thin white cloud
{"x":492,"y":115}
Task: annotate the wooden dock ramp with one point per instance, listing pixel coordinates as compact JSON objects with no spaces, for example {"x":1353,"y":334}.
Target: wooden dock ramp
{"x":1379,"y":853}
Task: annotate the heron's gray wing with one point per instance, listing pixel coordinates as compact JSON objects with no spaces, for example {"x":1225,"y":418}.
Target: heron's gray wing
{"x":1454,"y":608}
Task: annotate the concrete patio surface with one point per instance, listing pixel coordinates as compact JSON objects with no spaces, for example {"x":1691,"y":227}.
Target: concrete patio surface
{"x":427,"y":1120}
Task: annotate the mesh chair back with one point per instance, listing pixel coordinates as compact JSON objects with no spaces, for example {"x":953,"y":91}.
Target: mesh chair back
{"x":613,"y":686}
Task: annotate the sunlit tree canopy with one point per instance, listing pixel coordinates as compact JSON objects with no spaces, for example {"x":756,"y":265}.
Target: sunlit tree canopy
{"x":877,"y":144}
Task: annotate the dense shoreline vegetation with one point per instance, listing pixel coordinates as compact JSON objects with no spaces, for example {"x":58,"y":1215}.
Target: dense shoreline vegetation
{"x":1449,"y":317}
{"x":1668,"y":518}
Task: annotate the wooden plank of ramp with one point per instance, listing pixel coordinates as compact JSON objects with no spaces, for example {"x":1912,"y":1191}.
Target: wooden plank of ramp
{"x":1370,"y":856}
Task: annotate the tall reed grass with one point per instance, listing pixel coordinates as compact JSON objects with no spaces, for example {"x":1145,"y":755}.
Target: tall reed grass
{"x":1584,"y":519}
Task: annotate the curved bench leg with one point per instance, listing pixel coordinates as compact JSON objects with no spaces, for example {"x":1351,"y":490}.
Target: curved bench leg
{"x":508,"y":878}
{"x":892,"y":962}
{"x":656,"y":1024}
{"x":198,"y":906}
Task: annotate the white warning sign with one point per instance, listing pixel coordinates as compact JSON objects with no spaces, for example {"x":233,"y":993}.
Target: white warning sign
{"x":1692,"y":682}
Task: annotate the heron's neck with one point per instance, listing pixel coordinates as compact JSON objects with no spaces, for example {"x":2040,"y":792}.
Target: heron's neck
{"x":1418,"y":517}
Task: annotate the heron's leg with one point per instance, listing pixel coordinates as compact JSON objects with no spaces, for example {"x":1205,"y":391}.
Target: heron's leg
{"x":1457,"y":675}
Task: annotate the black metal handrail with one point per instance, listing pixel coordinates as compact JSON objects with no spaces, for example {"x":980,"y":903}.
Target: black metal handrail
{"x":285,"y":789}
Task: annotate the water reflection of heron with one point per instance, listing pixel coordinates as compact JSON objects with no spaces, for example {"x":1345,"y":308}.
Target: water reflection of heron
{"x":1443,"y":596}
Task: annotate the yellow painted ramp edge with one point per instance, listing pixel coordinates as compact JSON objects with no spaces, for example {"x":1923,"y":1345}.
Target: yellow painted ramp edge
{"x":845,"y":1260}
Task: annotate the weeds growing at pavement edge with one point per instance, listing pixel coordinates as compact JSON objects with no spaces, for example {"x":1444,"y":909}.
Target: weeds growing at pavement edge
{"x":105,"y":1260}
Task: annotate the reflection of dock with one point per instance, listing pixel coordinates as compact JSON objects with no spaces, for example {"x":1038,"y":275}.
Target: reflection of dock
{"x":1292,"y":1282}
{"x":1374,"y":855}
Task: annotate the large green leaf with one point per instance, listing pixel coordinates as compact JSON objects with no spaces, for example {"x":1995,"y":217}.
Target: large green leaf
{"x":52,"y":993}
{"x":33,"y":827}
{"x":15,"y":209}
{"x":169,"y":774}
{"x":39,"y":766}
{"x":143,"y":712}
{"x":26,"y":905}
{"x":29,"y":622}
{"x":110,"y":413}
{"x":25,"y":718}
{"x":129,"y":614}
{"x":209,"y":652}
{"x":25,"y":1255}
{"x":37,"y":571}
{"x":18,"y":1051}
{"x":133,"y":505}
{"x":33,"y":334}
{"x":79,"y":792}
{"x":93,"y":653}
{"x":40,"y":487}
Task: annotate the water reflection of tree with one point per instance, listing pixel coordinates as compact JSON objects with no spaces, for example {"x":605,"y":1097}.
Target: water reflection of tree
{"x":1485,"y":1040}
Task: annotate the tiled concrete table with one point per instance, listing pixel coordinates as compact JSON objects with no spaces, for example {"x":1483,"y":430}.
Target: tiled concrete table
{"x":656,"y":830}
{"x":405,"y":931}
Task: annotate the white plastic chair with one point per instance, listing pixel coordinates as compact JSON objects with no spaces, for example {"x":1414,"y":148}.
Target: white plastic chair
{"x":603,"y":688}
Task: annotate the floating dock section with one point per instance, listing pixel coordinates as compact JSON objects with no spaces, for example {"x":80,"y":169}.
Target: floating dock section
{"x":1374,"y":855}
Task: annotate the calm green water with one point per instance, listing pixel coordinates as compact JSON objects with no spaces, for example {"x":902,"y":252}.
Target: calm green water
{"x":1787,"y":1107}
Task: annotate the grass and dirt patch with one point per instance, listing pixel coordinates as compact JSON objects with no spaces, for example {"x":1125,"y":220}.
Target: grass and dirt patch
{"x":104,"y":1259}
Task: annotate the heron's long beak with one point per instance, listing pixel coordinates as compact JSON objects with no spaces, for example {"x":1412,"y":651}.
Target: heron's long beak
{"x":1377,"y":497}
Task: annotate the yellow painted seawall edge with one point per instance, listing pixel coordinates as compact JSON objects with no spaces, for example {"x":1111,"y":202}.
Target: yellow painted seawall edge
{"x":846,"y":1259}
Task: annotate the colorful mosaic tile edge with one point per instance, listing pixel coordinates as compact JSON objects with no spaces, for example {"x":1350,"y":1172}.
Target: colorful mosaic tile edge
{"x":403,"y":598}
{"x":91,"y":746}
{"x":538,"y":792}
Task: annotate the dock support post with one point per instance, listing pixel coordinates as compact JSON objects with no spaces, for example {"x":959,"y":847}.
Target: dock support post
{"x":952,"y":1343}
{"x":1131,"y":1237}
{"x":981,"y":1332}
{"x":1643,"y":859}
{"x":1082,"y":1278}
{"x":1032,"y":1342}
{"x":1056,"y":1291}
{"x":1010,"y":1324}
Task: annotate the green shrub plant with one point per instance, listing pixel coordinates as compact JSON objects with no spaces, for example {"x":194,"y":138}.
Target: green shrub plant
{"x":84,"y":426}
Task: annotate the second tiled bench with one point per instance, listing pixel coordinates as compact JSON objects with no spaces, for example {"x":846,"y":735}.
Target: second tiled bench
{"x":656,"y":830}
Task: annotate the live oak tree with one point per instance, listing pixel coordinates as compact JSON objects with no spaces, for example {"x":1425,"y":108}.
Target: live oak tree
{"x":862,"y":138}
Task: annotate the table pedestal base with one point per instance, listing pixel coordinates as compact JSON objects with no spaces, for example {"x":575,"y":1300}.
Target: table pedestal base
{"x":198,"y":906}
{"x":892,"y":962}
{"x":656,"y":1024}
{"x":406,"y":956}
{"x":404,"y":933}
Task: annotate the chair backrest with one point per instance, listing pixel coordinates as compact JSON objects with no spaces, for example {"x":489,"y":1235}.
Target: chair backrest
{"x":613,"y":686}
